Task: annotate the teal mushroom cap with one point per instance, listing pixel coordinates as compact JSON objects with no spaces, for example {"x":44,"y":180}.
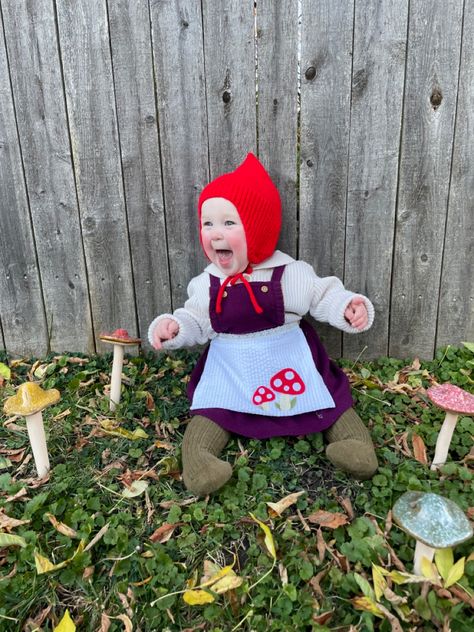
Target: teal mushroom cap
{"x":432,"y":519}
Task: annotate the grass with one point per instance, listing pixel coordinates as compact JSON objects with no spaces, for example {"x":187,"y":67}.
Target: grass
{"x":127,"y":560}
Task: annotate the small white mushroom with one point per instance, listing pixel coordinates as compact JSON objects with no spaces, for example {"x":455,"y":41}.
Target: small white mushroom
{"x":120,"y":339}
{"x":29,"y":401}
{"x":455,"y":401}
{"x":434,"y":521}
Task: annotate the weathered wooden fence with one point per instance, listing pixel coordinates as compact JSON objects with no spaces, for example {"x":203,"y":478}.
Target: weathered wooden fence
{"x":115,"y":113}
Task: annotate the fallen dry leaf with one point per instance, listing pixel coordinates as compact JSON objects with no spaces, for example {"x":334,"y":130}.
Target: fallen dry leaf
{"x":105,"y":623}
{"x":279,"y":507}
{"x":328,"y":519}
{"x":15,"y":456}
{"x":419,"y":449}
{"x":321,"y":545}
{"x":7,"y":523}
{"x":315,"y":582}
{"x":322,"y":618}
{"x":18,"y":496}
{"x":164,"y":533}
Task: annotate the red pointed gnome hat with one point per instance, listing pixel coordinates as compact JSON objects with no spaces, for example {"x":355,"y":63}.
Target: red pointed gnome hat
{"x":256,"y":198}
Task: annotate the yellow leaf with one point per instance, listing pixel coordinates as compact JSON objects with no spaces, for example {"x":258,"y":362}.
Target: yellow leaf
{"x":444,"y":561}
{"x":61,"y":527}
{"x":135,"y":489}
{"x":220,"y":573}
{"x":269,"y":542}
{"x":43,"y":565}
{"x":110,"y":427}
{"x":365,"y":603}
{"x":379,"y":581}
{"x":285,"y":502}
{"x":455,"y":574}
{"x":126,"y":622}
{"x":66,"y":624}
{"x":429,"y":570}
{"x":405,"y":578}
{"x":197,"y":597}
{"x":229,"y":582}
{"x":7,"y":539}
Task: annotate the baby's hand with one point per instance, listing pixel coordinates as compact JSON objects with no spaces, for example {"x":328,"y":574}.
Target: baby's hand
{"x":164,"y":330}
{"x":356,"y":313}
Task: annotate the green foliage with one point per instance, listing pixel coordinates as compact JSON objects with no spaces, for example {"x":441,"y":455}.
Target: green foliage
{"x":133,"y":557}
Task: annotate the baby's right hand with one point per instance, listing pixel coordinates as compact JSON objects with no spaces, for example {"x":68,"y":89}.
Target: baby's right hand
{"x":164,"y":330}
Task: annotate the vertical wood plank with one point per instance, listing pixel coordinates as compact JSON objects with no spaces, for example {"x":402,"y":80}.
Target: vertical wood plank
{"x":430,"y":102}
{"x":85,"y":52}
{"x":229,"y":54}
{"x":21,"y":301}
{"x":180,"y":78}
{"x":41,"y":118}
{"x":130,"y":34}
{"x":277,"y":54}
{"x":377,"y":96}
{"x":326,"y":47}
{"x":456,"y":297}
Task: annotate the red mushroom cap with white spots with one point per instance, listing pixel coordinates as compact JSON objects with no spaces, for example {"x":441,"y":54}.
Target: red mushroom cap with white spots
{"x":452,"y":398}
{"x":120,"y":336}
{"x":263,"y":395}
{"x":287,"y":382}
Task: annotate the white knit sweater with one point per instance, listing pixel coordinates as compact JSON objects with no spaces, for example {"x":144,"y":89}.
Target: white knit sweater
{"x":303,"y":292}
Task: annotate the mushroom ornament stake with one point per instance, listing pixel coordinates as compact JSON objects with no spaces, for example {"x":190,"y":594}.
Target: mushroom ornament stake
{"x":455,"y":401}
{"x":120,"y":339}
{"x":29,"y":401}
{"x":434,"y":521}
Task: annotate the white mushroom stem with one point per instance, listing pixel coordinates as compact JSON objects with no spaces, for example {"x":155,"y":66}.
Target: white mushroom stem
{"x":422,"y":550}
{"x":444,"y":440}
{"x":285,"y":402}
{"x":34,"y":425}
{"x":116,"y":379}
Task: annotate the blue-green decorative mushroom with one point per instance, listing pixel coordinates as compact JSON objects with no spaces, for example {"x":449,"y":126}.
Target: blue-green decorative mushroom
{"x":434,"y":521}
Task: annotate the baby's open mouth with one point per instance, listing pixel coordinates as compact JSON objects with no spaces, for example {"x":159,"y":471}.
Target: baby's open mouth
{"x":223,"y":255}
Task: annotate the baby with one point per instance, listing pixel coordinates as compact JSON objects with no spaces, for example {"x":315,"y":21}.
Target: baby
{"x":265,"y":372}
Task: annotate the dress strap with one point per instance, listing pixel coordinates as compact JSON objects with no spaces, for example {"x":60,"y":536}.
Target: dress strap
{"x":277,"y":274}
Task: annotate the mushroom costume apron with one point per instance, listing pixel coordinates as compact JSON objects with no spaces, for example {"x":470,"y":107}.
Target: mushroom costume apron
{"x":260,"y":377}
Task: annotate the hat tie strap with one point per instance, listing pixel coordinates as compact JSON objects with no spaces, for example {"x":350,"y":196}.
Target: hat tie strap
{"x":232,"y":280}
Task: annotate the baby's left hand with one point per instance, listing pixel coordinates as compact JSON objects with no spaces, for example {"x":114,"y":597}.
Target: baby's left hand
{"x":356,"y":313}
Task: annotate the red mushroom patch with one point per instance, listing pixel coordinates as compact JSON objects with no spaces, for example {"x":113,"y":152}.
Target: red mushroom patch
{"x":287,"y":382}
{"x":263,"y":396}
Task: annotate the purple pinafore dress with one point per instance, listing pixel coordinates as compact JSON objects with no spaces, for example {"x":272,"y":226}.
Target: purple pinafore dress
{"x":263,"y":378}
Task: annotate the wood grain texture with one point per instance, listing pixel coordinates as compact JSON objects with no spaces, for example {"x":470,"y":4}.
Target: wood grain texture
{"x":326,"y":47}
{"x":456,"y":296}
{"x":229,"y":58}
{"x":132,"y":59}
{"x":42,"y":127}
{"x":376,"y":112}
{"x":85,"y":52}
{"x":180,"y":85}
{"x":21,"y":300}
{"x":427,"y":141}
{"x":277,"y":55}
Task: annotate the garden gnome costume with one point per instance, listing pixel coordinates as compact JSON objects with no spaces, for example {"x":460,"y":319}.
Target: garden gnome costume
{"x":265,"y":372}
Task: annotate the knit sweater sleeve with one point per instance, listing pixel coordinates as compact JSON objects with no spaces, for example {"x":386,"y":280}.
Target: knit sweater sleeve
{"x":327,"y":298}
{"x":192,"y":319}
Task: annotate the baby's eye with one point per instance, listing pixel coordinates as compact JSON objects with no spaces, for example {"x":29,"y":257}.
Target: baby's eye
{"x":207,"y":223}
{"x":229,"y":222}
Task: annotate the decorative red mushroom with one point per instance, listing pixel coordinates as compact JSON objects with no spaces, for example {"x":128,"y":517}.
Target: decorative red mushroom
{"x":120,"y":339}
{"x":288,"y":383}
{"x":262,"y":397}
{"x":455,"y":401}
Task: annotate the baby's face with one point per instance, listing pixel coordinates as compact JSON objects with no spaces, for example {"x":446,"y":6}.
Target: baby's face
{"x":223,"y":236}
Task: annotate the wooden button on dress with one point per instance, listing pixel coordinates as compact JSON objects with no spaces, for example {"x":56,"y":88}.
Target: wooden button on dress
{"x":264,"y":289}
